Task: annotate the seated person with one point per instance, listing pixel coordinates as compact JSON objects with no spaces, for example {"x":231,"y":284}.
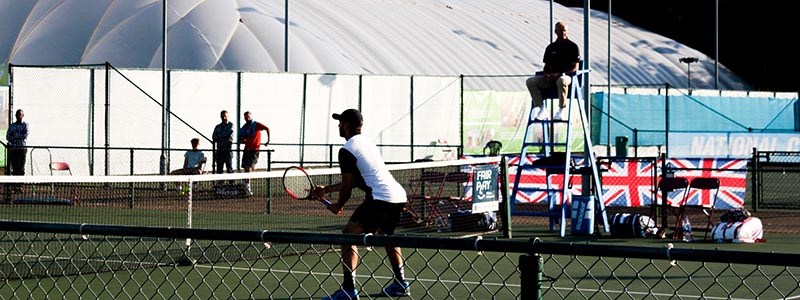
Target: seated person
{"x":193,"y":161}
{"x":560,"y":57}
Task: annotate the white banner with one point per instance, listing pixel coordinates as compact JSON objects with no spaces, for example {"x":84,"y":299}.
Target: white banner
{"x":730,"y":145}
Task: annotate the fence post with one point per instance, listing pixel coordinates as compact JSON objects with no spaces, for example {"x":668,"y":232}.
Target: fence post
{"x":636,"y":142}
{"x":754,"y":176}
{"x":269,"y":182}
{"x":330,"y":155}
{"x":664,"y":206}
{"x":666,"y":119}
{"x":411,"y":115}
{"x":505,"y":206}
{"x":130,"y":185}
{"x":530,"y":269}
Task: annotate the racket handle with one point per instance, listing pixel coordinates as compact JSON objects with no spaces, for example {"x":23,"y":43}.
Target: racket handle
{"x":326,"y":202}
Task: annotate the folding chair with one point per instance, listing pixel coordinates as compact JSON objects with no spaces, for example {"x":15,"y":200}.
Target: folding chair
{"x":493,"y":147}
{"x":455,"y":181}
{"x":424,"y":189}
{"x":60,"y":166}
{"x":665,"y":186}
{"x":700,"y":183}
{"x":452,"y":193}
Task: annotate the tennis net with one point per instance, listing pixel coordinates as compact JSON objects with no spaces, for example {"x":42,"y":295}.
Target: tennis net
{"x":436,"y":189}
{"x":439,"y":195}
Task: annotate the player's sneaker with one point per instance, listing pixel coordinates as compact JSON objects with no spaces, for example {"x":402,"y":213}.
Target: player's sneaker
{"x":342,"y":294}
{"x":397,"y":289}
{"x":249,"y":190}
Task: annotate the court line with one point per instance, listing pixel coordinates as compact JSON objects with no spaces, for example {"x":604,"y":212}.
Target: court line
{"x":464,"y":282}
{"x":61,"y":258}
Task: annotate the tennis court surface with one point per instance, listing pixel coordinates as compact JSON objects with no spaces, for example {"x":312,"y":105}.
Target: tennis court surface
{"x":205,"y":237}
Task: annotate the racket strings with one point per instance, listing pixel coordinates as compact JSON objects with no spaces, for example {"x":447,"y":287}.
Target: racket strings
{"x":297,"y":184}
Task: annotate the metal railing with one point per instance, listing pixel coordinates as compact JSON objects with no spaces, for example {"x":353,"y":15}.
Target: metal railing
{"x":90,"y":161}
{"x":44,"y":260}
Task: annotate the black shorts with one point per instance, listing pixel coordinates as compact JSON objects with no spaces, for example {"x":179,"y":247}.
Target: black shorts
{"x":375,"y":214}
{"x":249,"y":158}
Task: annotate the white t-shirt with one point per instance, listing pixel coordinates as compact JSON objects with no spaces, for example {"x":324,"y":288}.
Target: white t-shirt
{"x":369,"y":171}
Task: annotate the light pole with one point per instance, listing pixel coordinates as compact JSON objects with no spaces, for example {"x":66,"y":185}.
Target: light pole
{"x":688,"y":61}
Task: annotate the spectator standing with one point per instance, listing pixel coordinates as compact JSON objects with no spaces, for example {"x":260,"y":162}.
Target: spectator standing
{"x":250,"y":136}
{"x":17,"y":136}
{"x":223,"y":139}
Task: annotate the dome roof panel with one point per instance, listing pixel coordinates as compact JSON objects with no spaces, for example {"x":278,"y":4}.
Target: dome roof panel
{"x":423,"y":37}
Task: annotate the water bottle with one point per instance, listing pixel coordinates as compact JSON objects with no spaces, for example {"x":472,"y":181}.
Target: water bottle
{"x":687,"y":230}
{"x":439,"y":222}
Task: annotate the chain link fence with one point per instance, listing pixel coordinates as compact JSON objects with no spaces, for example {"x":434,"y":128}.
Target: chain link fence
{"x":774,"y":179}
{"x":46,"y":260}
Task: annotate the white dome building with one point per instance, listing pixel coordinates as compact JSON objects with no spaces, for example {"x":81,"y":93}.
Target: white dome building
{"x":421,"y":37}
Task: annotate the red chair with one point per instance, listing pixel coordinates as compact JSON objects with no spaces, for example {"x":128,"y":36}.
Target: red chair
{"x":700,"y":183}
{"x":454,"y":183}
{"x":424,"y":189}
{"x":59,"y":166}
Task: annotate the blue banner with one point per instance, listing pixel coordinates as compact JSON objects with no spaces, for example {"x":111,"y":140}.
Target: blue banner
{"x":484,"y":189}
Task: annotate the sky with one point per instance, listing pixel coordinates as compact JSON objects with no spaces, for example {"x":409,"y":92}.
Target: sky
{"x":755,"y":41}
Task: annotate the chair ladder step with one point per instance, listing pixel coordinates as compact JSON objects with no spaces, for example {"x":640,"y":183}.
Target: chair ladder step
{"x":540,"y":144}
{"x":548,"y":122}
{"x":550,"y":190}
{"x":554,"y":213}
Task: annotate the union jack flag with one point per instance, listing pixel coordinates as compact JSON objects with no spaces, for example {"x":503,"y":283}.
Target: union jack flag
{"x":631,"y":183}
{"x":532,"y":181}
{"x":628,"y":183}
{"x":732,"y":181}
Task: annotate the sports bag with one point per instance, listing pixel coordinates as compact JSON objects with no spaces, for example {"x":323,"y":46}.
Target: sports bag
{"x":625,"y":225}
{"x":467,"y":221}
{"x":735,"y":215}
{"x":749,"y":230}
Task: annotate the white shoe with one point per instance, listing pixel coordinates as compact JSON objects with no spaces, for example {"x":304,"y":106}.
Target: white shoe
{"x":559,"y":115}
{"x":539,"y":113}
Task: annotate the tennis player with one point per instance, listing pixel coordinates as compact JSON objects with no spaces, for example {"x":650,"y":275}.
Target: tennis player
{"x":362,"y":167}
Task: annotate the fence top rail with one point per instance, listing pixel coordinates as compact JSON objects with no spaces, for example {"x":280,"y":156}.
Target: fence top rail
{"x":474,"y":244}
{"x":789,"y":153}
{"x":78,"y":66}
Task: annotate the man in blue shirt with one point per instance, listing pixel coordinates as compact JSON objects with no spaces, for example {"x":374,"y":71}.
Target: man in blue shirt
{"x":17,"y":135}
{"x":223,"y":139}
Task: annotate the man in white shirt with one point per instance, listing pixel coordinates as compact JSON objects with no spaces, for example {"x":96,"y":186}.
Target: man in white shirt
{"x":362,"y":167}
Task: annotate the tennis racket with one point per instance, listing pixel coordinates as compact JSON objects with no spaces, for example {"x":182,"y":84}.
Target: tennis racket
{"x":298,"y":185}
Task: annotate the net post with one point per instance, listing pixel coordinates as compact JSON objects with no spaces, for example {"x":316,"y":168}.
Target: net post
{"x":530,"y":266}
{"x":189,"y":203}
